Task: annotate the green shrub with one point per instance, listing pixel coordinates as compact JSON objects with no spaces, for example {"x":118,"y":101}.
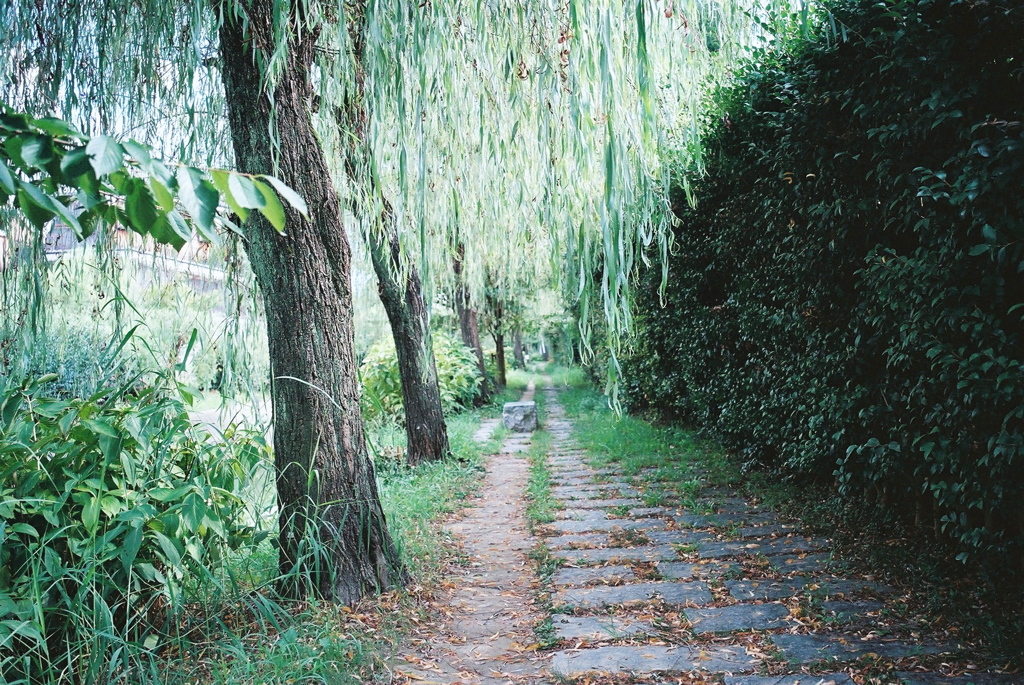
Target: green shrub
{"x":110,"y":507}
{"x":457,"y":375}
{"x":845,"y":298}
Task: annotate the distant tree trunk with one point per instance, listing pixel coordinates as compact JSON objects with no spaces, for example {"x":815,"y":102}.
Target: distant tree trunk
{"x":517,"y":349}
{"x":327,"y":492}
{"x":468,"y":325}
{"x":410,"y":326}
{"x":499,"y":342}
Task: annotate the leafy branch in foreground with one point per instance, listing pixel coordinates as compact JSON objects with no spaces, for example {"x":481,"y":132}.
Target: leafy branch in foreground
{"x":51,"y":170}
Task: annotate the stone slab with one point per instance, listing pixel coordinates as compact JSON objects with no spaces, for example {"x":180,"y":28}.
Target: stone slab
{"x":576,"y":514}
{"x":598,"y":627}
{"x":677,"y":570}
{"x":658,"y":553}
{"x":650,"y":659}
{"x":805,"y":649}
{"x":725,"y":520}
{"x":972,"y":679}
{"x":780,"y":589}
{"x":605,"y":503}
{"x":766,"y":547}
{"x":680,"y":537}
{"x":737,"y":617}
{"x":803,"y":563}
{"x":609,"y":595}
{"x":800,"y":679}
{"x":768,"y":530}
{"x":595,"y":524}
{"x":582,"y":576}
{"x":848,"y":612}
{"x":643,"y":512}
{"x":585,"y":540}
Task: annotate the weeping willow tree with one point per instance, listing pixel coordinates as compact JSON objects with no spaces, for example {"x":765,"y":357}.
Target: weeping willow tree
{"x":521,"y":138}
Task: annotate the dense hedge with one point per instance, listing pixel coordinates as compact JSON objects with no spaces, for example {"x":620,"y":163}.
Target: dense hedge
{"x":845,"y":301}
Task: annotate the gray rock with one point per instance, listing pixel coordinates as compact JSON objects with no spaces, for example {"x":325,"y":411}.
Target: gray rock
{"x":803,"y":563}
{"x":582,"y":576}
{"x":650,"y":659}
{"x":564,"y":541}
{"x":805,"y":649}
{"x":608,"y":595}
{"x":772,"y":589}
{"x":801,"y":679}
{"x":680,"y":537}
{"x":605,"y":524}
{"x":737,"y":617}
{"x":973,"y":679}
{"x":647,"y":553}
{"x":677,"y":570}
{"x":520,"y":417}
{"x":767,"y":530}
{"x":764,"y":547}
{"x":848,"y":612}
{"x":642,"y":512}
{"x":598,"y":627}
{"x":605,"y":503}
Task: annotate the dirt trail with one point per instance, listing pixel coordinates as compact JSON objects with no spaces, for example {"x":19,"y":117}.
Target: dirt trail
{"x":489,"y":634}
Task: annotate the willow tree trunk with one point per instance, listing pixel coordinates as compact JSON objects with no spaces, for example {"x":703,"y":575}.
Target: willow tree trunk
{"x":468,"y":324}
{"x":333,"y":537}
{"x":425,"y":428}
{"x":499,"y":340}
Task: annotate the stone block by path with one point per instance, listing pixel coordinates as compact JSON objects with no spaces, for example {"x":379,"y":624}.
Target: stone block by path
{"x":594,"y":556}
{"x":908,"y":678}
{"x":651,"y":659}
{"x":744,"y":590}
{"x":598,"y":627}
{"x":737,"y":617}
{"x":800,"y":679}
{"x":520,"y":417}
{"x":806,"y":649}
{"x":578,"y":541}
{"x":612,"y":595}
{"x":677,"y":570}
{"x":583,"y":576}
{"x":767,"y":547}
{"x":588,"y":525}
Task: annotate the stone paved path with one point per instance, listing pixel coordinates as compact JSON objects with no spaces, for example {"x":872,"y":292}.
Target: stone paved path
{"x":727,"y":594}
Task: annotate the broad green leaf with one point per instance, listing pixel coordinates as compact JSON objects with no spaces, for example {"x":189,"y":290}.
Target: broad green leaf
{"x":37,"y":150}
{"x":293,"y":198}
{"x":130,"y":548}
{"x":165,"y":233}
{"x":162,"y":194}
{"x":140,"y":153}
{"x":171,"y":552}
{"x":199,"y":197}
{"x":7,"y":178}
{"x":192,"y":511}
{"x":47,"y":203}
{"x":37,"y":215}
{"x":220,"y":182}
{"x":105,"y":154}
{"x":273,"y":209}
{"x":75,"y":163}
{"x":178,"y":224}
{"x":244,"y":192}
{"x":91,"y":513}
{"x":57,"y":128}
{"x":140,"y":207}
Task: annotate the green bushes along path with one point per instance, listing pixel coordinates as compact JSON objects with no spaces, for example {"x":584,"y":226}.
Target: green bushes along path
{"x":845,"y":300}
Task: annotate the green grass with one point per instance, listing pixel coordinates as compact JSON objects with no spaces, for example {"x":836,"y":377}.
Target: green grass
{"x":541,"y":506}
{"x":254,"y":637}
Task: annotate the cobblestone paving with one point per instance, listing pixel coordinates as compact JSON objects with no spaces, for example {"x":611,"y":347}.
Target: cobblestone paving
{"x":730,"y":592}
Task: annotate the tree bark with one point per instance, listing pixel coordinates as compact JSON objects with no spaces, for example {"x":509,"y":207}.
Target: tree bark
{"x":334,"y":540}
{"x":425,"y":428}
{"x":498,"y":334}
{"x":517,"y":349}
{"x":468,"y":325}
